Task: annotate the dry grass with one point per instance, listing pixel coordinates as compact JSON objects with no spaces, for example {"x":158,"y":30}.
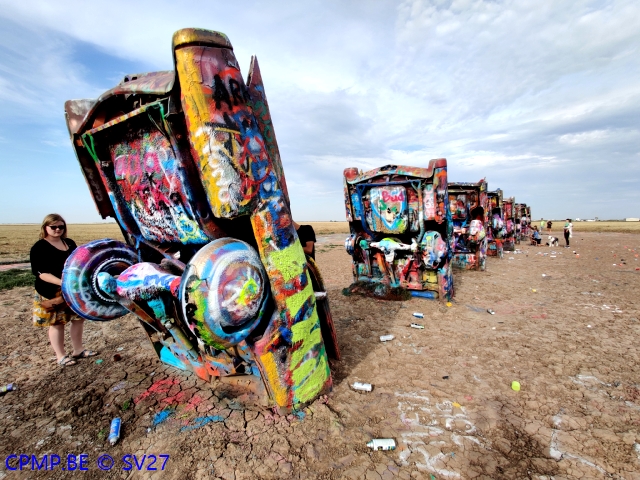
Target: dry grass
{"x":327,"y":228}
{"x":618,"y":227}
{"x":17,"y":240}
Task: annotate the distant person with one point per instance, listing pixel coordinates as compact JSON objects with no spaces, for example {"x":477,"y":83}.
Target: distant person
{"x":307,"y":238}
{"x":568,"y":231}
{"x":549,"y":224}
{"x":535,"y":236}
{"x":49,"y":308}
{"x":542,"y":224}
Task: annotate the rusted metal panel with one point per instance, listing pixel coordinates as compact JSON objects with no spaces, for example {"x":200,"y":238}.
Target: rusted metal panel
{"x":75,"y":112}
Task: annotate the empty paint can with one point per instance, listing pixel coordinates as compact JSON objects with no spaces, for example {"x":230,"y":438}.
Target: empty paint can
{"x":417,"y":325}
{"x":8,"y":388}
{"x":114,"y":432}
{"x":386,"y":338}
{"x":382,"y":444}
{"x":418,"y":315}
{"x":362,"y":387}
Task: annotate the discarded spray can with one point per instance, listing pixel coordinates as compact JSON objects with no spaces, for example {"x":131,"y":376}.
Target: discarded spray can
{"x":382,"y":444}
{"x":8,"y":388}
{"x":362,"y":387}
{"x":386,"y":338}
{"x":417,"y":325}
{"x":418,"y":315}
{"x":114,"y":432}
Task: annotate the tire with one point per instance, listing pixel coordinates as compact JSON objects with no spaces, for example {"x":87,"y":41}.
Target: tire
{"x":80,"y":278}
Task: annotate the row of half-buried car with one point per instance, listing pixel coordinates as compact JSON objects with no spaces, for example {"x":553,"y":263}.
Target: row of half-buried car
{"x":409,"y":227}
{"x":187,"y":163}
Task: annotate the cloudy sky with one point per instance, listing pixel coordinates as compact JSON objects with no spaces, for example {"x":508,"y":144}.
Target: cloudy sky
{"x":541,"y":97}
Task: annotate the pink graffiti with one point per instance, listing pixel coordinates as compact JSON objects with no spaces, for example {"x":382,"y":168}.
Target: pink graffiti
{"x":395,"y":196}
{"x":185,"y":400}
{"x":161,"y":386}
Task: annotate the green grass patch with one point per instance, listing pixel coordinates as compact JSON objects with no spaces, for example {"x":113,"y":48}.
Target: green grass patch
{"x":16,"y":278}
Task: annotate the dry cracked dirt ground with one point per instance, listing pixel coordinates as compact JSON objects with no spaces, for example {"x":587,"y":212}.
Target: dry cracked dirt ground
{"x":565,"y":326}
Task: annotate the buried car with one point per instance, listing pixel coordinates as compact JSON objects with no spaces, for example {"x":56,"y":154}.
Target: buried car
{"x":523,"y":221}
{"x":497,"y":230}
{"x":401,"y":230}
{"x":509,"y":243}
{"x":468,"y":204}
{"x":187,"y":163}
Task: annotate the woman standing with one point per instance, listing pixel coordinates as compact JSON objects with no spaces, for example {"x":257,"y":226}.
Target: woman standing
{"x":49,"y":308}
{"x":568,"y":232}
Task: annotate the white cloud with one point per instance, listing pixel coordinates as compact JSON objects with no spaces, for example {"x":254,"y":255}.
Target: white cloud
{"x":518,"y":91}
{"x":584,"y":138}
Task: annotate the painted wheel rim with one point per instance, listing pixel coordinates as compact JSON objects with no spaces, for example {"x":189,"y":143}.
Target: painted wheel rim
{"x":224,"y":292}
{"x":80,"y":278}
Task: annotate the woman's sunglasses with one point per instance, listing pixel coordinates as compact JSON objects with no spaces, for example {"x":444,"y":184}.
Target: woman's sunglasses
{"x":56,"y":227}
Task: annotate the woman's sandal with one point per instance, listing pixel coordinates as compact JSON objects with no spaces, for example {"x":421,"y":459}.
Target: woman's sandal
{"x":85,"y":354}
{"x":66,"y":361}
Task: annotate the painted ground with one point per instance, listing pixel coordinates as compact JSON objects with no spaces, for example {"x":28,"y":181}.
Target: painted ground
{"x":565,"y":326}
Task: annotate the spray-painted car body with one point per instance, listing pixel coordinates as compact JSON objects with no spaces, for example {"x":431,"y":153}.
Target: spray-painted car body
{"x":468,"y":206}
{"x":508,"y":211}
{"x":523,"y":221}
{"x":187,"y":162}
{"x":401,"y":228}
{"x":496,"y":226}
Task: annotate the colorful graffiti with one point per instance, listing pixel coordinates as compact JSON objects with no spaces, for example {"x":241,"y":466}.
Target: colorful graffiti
{"x":214,"y":269}
{"x":468,"y":206}
{"x":523,"y":221}
{"x":508,"y":211}
{"x":400,"y":222}
{"x":496,"y":231}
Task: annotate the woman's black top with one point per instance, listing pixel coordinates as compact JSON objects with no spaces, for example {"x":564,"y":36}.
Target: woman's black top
{"x":45,"y":258}
{"x":306,"y":234}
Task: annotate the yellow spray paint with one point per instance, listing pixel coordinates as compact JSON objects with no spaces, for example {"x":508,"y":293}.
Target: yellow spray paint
{"x":308,"y":366}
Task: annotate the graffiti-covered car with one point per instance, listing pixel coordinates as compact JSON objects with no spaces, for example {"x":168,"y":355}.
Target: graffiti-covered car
{"x":401,"y":229}
{"x":508,"y":209}
{"x":187,"y":163}
{"x":523,"y":221}
{"x":497,"y":230}
{"x":468,"y":207}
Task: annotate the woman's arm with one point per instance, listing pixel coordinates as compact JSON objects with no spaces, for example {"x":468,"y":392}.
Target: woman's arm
{"x":308,"y":248}
{"x":49,"y":278}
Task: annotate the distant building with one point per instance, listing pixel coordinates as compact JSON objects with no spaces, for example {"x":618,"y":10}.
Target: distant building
{"x":632,"y":219}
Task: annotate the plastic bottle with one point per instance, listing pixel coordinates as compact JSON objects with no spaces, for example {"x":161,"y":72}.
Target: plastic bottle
{"x":417,"y":325}
{"x":418,"y":315}
{"x":114,"y":432}
{"x":386,"y":338}
{"x":362,"y":387}
{"x":382,"y":444}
